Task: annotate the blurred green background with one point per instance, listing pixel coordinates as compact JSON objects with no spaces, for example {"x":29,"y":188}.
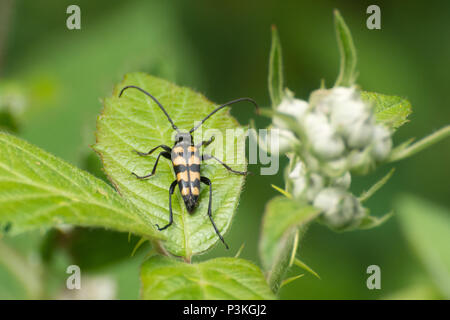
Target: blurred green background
{"x":220,"y":49}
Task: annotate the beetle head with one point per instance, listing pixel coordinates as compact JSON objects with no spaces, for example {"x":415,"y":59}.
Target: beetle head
{"x":183,"y":137}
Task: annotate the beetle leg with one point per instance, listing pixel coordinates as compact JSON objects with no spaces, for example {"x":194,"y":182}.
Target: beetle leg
{"x":206,"y":142}
{"x":165,"y":154}
{"x":208,"y":156}
{"x":206,"y":181}
{"x":171,"y":190}
{"x":166,"y":148}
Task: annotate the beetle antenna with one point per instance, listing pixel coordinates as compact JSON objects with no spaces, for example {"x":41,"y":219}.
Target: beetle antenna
{"x":154,"y":99}
{"x":223,"y":106}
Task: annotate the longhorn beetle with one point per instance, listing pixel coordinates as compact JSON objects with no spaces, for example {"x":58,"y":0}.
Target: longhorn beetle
{"x":186,"y":159}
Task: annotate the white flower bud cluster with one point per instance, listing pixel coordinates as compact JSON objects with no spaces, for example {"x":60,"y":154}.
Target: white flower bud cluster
{"x":336,"y":134}
{"x":286,"y":138}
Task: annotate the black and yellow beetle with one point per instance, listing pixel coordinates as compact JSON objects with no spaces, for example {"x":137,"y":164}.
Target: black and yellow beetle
{"x":186,"y":159}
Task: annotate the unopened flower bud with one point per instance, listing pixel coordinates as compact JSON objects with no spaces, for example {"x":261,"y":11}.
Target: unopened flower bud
{"x":360,"y":133}
{"x":325,"y":100}
{"x":292,"y":107}
{"x":341,"y":210}
{"x":315,"y":185}
{"x":335,"y":168}
{"x":382,"y":143}
{"x":343,"y":181}
{"x":322,"y":136}
{"x":353,"y":119}
{"x":311,"y":162}
{"x":298,"y":179}
{"x":361,"y":162}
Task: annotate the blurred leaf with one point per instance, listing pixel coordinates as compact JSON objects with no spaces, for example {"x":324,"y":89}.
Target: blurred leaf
{"x":80,"y":67}
{"x":392,"y":111}
{"x":38,"y":190}
{"x":28,"y":274}
{"x":275,"y":70}
{"x":377,"y":186}
{"x":88,"y":248}
{"x":407,"y":149}
{"x":347,"y":71}
{"x":222,"y":278}
{"x":281,"y":221}
{"x":417,"y":291}
{"x":427,"y":228}
{"x":134,"y":122}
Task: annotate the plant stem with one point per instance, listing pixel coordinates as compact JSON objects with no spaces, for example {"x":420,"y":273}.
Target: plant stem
{"x":420,"y":145}
{"x":367,"y":194}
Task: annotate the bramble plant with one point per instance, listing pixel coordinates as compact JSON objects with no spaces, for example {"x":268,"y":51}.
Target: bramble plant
{"x":339,"y":132}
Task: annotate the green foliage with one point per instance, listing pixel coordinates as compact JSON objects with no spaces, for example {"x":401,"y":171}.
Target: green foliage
{"x":221,"y":278}
{"x":275,"y":70}
{"x":347,"y":71}
{"x":38,"y":190}
{"x":427,"y":229}
{"x":282,"y":219}
{"x":64,"y":67}
{"x":392,"y":111}
{"x":134,"y":122}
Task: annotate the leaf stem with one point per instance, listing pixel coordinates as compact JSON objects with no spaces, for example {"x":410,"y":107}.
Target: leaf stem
{"x":367,"y":194}
{"x":420,"y":145}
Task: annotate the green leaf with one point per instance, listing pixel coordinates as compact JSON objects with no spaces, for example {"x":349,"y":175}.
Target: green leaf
{"x":38,"y":191}
{"x":275,"y":70}
{"x":407,"y":149}
{"x":134,"y":122}
{"x":419,"y":290}
{"x":427,"y":228}
{"x":282,"y":219}
{"x":391,"y":111}
{"x":222,"y":278}
{"x":347,"y":71}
